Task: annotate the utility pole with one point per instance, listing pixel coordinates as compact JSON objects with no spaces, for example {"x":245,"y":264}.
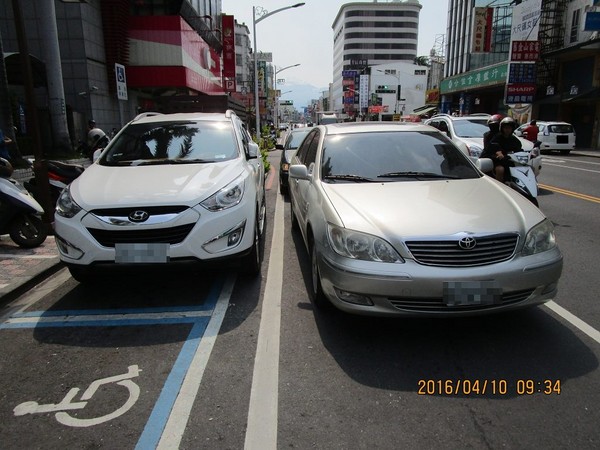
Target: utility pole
{"x":56,"y":92}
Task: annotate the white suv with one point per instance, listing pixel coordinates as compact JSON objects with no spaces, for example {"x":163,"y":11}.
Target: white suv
{"x":168,"y":188}
{"x":559,"y":136}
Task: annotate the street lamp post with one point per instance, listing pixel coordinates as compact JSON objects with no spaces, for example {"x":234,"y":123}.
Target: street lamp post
{"x":263,"y":14}
{"x":277,"y":96}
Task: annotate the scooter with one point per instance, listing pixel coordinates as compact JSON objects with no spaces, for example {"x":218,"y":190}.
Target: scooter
{"x":20,"y":213}
{"x":522,"y":175}
{"x":60,"y":175}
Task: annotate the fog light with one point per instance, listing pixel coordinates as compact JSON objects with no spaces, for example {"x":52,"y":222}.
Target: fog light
{"x":350,"y":297}
{"x":67,"y":249}
{"x":227,"y":240}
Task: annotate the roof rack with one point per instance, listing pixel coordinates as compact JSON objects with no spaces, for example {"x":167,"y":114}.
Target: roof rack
{"x":145,"y":114}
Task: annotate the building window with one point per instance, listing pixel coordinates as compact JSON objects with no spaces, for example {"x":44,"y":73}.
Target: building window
{"x":575,"y":26}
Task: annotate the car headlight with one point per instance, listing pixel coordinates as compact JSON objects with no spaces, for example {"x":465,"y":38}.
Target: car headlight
{"x":540,"y":238}
{"x":66,"y":206}
{"x":227,"y":197}
{"x":357,"y":245}
{"x":475,"y":150}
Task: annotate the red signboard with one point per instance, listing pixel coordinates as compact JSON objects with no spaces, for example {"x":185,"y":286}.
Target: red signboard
{"x":525,"y":51}
{"x":228,"y":33}
{"x":482,"y":29}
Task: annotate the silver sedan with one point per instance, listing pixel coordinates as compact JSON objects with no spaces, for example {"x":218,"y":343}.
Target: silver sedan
{"x":398,"y":221}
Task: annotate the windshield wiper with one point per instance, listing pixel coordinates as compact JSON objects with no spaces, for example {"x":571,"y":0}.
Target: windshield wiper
{"x":188,"y":161}
{"x":414,"y":175}
{"x":347,"y":177}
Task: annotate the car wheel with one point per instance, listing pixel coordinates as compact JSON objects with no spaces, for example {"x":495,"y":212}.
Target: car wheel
{"x":283,"y":189}
{"x":317,"y":295}
{"x":251,"y":264}
{"x":83,"y":275}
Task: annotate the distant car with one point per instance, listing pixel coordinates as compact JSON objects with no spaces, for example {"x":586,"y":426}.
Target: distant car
{"x":392,"y":217}
{"x":168,"y":188}
{"x":553,"y":136}
{"x":292,"y":141}
{"x":467,"y":133}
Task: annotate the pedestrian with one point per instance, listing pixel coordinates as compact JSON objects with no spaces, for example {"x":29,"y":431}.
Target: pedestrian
{"x":5,"y":141}
{"x":531,"y":131}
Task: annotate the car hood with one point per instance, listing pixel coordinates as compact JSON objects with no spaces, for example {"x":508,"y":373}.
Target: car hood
{"x":185,"y":184}
{"x":432,"y":208}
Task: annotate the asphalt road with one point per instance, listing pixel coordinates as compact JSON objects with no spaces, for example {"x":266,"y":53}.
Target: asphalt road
{"x":196,"y":359}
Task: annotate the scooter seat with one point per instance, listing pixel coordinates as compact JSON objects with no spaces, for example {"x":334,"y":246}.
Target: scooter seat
{"x":65,"y":170}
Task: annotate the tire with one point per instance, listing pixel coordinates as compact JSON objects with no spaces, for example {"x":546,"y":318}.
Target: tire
{"x":27,"y":231}
{"x":81,"y":274}
{"x":252,"y":263}
{"x":283,"y":190}
{"x":565,"y":152}
{"x":317,"y":296}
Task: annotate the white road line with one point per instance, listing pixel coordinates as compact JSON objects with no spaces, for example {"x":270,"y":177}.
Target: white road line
{"x":574,"y":320}
{"x":572,"y":168}
{"x":261,"y":433}
{"x":175,"y":427}
{"x":571,"y":161}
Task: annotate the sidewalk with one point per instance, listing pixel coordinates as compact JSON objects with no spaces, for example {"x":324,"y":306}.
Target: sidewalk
{"x":19,"y":265}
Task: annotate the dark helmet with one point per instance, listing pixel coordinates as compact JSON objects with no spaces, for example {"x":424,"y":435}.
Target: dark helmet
{"x":510,"y":122}
{"x":494,"y":122}
{"x":92,"y":123}
{"x":6,"y":168}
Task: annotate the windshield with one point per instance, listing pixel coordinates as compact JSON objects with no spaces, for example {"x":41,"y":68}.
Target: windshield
{"x":172,"y":143}
{"x":471,"y":128}
{"x":296,"y":139}
{"x":393,"y":156}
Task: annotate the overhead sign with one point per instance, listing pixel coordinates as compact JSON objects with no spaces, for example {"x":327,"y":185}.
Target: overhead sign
{"x":520,"y":93}
{"x":121,"y":81}
{"x":522,"y":73}
{"x":525,"y":51}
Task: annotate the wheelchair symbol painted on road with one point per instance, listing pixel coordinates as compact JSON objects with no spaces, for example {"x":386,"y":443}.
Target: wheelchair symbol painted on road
{"x":69,"y":403}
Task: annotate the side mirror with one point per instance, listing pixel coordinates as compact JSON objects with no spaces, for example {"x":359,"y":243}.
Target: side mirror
{"x":96,"y":154}
{"x":253,"y":150}
{"x":279,"y":146}
{"x":485,"y":164}
{"x":299,"y":171}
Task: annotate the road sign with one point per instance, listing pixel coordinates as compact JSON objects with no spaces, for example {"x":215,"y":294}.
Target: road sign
{"x":121,"y":81}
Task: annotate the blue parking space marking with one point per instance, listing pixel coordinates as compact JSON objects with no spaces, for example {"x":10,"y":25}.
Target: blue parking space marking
{"x":198,"y":316}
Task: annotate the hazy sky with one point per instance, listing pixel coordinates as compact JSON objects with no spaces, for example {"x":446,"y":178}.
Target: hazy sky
{"x":304,"y":35}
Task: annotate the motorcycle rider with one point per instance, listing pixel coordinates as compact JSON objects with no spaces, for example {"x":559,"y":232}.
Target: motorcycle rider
{"x":503,"y":143}
{"x":96,"y":138}
{"x":493,"y":124}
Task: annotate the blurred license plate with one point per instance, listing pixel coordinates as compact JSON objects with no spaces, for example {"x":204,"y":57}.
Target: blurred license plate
{"x":141,"y":253}
{"x":472,"y":293}
{"x":562,"y":139}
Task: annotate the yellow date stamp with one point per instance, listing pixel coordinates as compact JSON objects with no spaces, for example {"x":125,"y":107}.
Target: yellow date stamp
{"x":488,"y":387}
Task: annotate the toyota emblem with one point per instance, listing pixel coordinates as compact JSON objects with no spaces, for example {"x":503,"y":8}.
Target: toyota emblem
{"x":467,"y":243}
{"x":139,"y":216}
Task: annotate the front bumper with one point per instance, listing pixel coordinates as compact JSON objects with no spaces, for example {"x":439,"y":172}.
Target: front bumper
{"x":78,"y":242}
{"x":412,"y":289}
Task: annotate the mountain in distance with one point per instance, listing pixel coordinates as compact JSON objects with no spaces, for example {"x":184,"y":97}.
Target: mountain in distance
{"x":301,"y":94}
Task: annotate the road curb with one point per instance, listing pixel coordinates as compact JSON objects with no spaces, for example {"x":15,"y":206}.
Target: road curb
{"x":22,"y":284}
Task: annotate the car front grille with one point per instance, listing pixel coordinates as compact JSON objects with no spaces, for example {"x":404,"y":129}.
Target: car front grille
{"x":171,"y":235}
{"x":448,"y":253}
{"x":438,"y":305}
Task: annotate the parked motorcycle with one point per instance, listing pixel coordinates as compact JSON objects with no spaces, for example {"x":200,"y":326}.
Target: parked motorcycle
{"x":20,"y":213}
{"x":60,"y":174}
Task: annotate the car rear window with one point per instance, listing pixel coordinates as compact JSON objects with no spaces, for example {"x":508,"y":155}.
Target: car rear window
{"x":372,"y":155}
{"x":562,"y":128}
{"x":172,"y":143}
{"x":471,"y":128}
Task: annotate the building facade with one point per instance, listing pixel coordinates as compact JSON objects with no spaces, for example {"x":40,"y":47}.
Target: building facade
{"x":367,"y":34}
{"x":564,"y":75}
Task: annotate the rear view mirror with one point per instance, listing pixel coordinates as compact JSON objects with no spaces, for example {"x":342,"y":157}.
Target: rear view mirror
{"x":253,"y":150}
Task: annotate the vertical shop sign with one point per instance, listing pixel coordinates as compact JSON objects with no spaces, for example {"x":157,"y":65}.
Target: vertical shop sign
{"x":482,"y":29}
{"x":228,"y":33}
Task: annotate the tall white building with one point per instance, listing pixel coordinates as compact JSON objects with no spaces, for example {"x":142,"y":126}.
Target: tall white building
{"x":366,"y":34}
